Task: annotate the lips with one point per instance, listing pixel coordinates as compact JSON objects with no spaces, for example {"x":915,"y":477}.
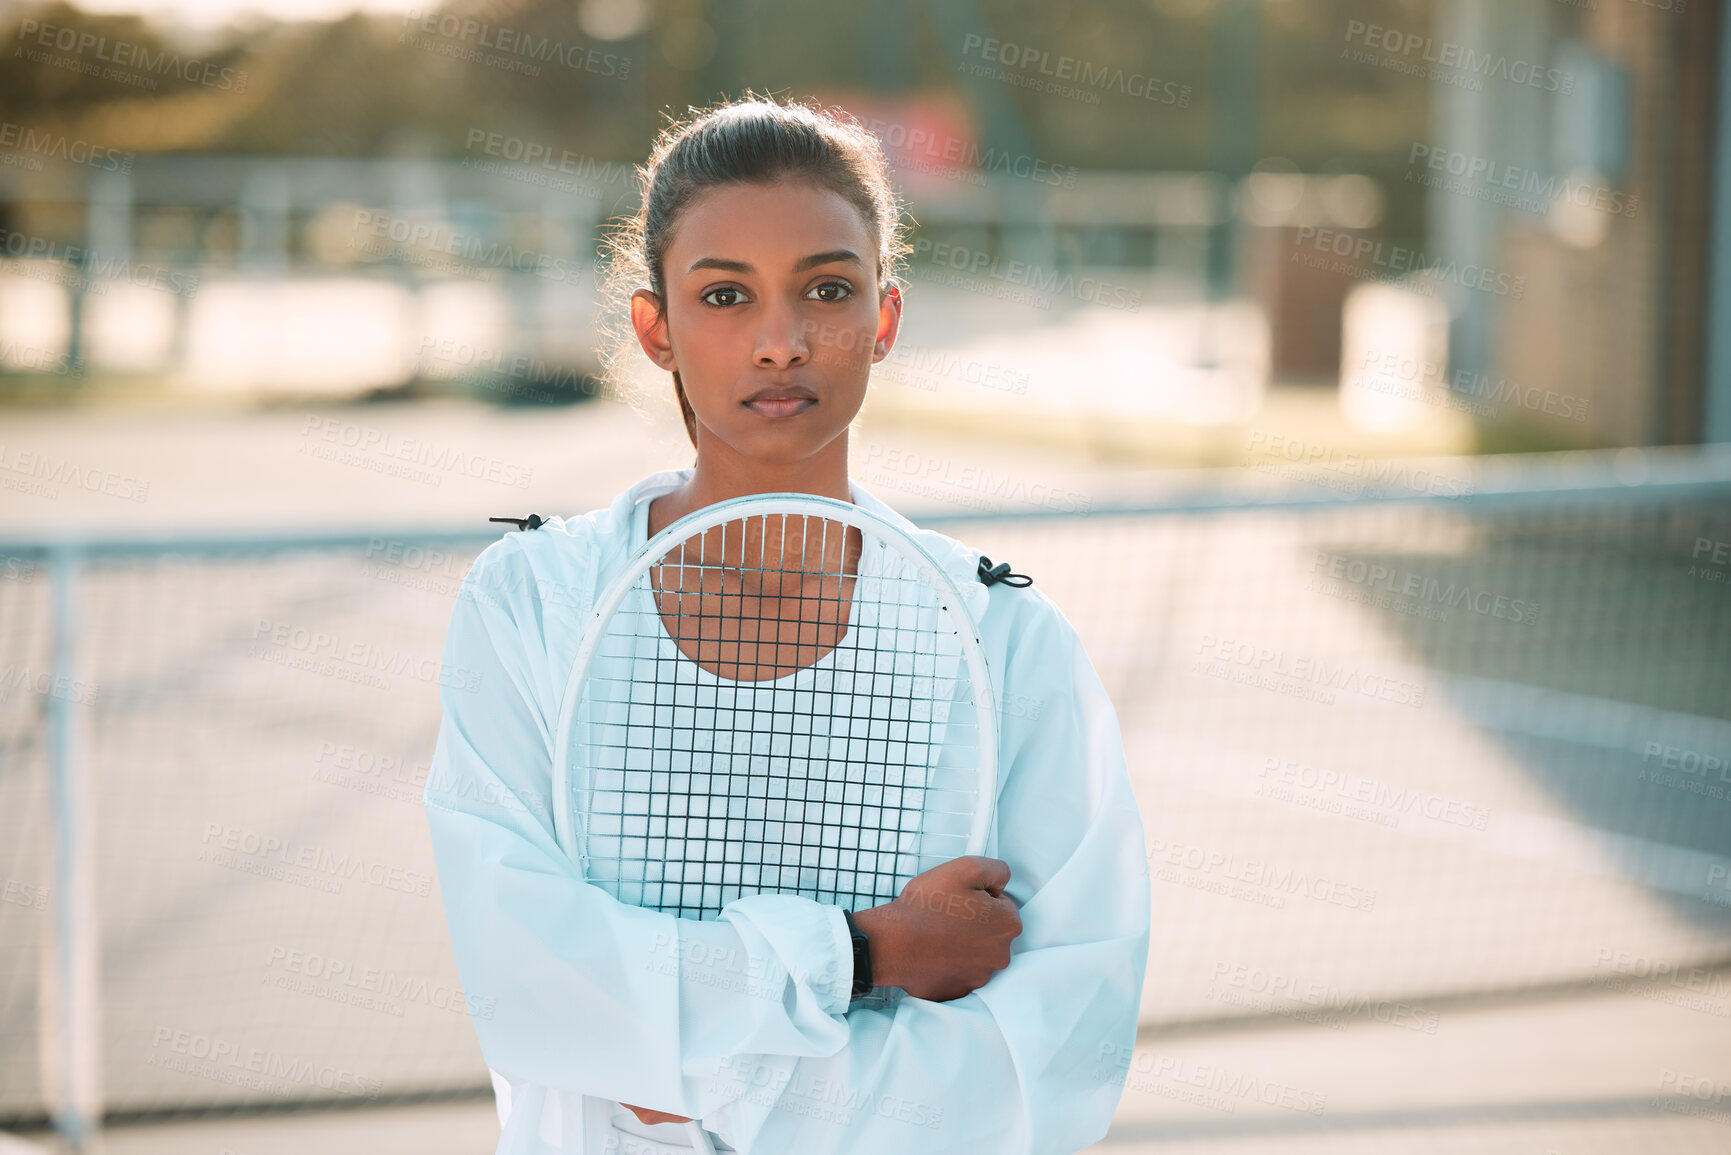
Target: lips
{"x":780,"y":402}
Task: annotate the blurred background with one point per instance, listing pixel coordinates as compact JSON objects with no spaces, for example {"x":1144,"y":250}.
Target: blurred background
{"x":1381,"y":351}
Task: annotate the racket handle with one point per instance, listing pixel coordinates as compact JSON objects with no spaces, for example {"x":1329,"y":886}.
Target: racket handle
{"x":700,"y":1138}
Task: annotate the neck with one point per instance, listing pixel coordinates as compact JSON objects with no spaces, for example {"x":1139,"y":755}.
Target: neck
{"x":721,"y":474}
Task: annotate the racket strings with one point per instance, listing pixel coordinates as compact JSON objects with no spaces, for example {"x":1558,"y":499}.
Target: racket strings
{"x":838,"y":776}
{"x":725,"y":613}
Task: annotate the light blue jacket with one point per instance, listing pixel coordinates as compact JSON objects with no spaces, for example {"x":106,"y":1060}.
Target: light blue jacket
{"x":744,"y":1022}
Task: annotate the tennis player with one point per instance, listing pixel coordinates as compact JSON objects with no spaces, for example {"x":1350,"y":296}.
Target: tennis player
{"x":1005,"y":986}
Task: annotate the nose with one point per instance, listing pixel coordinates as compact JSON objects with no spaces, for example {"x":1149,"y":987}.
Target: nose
{"x":781,"y":341}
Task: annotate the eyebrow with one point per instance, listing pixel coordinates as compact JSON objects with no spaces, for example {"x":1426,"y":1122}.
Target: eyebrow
{"x":800,"y":266}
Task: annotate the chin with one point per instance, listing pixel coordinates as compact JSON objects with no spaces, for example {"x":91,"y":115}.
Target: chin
{"x":784,"y":449}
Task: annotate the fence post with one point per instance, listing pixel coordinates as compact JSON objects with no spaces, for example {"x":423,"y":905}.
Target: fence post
{"x":71,"y":987}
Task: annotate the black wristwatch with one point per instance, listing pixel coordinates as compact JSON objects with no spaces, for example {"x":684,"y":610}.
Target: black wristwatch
{"x":862,"y":959}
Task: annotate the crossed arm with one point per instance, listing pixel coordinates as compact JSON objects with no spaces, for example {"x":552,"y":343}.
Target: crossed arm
{"x":749,"y":1028}
{"x":943,"y":937}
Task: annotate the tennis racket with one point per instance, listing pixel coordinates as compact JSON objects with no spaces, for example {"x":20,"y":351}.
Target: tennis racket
{"x":780,"y":693}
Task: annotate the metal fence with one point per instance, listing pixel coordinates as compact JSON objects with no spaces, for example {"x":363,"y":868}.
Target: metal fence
{"x":1393,"y":752}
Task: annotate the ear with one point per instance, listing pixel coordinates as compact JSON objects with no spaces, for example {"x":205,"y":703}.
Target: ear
{"x":889,"y":321}
{"x":649,"y":319}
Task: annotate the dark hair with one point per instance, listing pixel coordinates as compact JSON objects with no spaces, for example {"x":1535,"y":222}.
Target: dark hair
{"x":749,"y":141}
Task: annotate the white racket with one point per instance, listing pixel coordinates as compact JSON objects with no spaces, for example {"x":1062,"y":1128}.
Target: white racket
{"x":781,"y":693}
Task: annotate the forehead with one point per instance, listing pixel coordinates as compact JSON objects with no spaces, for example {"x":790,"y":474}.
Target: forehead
{"x":770,"y":226}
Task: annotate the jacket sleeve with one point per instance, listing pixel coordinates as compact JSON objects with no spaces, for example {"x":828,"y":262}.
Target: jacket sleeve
{"x":1031,"y":1062}
{"x":569,"y":988}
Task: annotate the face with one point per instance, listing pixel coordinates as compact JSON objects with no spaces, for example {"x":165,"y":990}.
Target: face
{"x":772,"y":318}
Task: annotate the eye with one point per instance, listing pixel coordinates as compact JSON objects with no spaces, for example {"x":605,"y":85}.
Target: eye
{"x":847,"y":290}
{"x":721,"y":289}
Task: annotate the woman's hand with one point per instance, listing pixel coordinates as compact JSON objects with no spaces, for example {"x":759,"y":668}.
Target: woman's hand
{"x":947,"y":933}
{"x":648,"y":1116}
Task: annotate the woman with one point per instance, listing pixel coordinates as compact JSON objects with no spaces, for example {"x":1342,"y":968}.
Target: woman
{"x":759,"y":274}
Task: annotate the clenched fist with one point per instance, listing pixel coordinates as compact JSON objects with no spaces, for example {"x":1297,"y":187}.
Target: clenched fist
{"x":948,"y":931}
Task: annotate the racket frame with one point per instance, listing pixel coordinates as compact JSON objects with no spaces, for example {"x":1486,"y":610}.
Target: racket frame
{"x":954,"y":608}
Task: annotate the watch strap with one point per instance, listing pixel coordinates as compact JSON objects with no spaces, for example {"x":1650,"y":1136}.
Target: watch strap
{"x":862,"y":959}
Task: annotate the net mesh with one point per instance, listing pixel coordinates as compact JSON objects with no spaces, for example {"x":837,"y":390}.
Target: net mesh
{"x":1387,"y":755}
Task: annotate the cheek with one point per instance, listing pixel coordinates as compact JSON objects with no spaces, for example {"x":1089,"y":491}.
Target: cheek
{"x":708,"y":336}
{"x":844,"y":349}
{"x":707,"y":351}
